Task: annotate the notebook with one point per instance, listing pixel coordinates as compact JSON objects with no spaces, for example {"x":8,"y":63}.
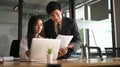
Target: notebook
{"x":39,"y":48}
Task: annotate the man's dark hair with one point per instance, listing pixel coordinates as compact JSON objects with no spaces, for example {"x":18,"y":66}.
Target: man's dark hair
{"x":53,"y":5}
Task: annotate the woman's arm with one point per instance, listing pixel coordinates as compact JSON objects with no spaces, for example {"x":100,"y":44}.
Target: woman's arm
{"x":24,"y":48}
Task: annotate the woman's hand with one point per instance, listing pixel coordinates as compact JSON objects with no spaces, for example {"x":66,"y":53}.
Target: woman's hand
{"x":62,"y":52}
{"x":28,"y":53}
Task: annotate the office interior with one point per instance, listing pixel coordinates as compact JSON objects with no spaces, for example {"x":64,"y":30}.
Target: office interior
{"x":97,"y":20}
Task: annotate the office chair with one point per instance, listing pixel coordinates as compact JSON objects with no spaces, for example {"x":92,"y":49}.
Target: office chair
{"x":112,"y":52}
{"x":109,"y":52}
{"x":94,"y":52}
{"x":14,"y":49}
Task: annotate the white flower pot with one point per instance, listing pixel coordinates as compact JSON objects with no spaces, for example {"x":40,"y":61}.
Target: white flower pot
{"x":49,"y":58}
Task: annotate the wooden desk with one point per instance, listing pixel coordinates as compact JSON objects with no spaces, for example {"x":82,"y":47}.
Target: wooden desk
{"x":67,"y":63}
{"x":93,"y":62}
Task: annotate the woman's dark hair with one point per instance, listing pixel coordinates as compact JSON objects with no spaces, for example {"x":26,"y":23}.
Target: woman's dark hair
{"x":53,"y":5}
{"x":30,"y":34}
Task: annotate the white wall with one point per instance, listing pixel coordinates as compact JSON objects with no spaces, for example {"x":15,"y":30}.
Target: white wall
{"x":7,"y":34}
{"x":9,"y":30}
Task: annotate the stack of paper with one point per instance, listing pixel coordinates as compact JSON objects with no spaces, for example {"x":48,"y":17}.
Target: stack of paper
{"x":6,"y":58}
{"x":65,"y":40}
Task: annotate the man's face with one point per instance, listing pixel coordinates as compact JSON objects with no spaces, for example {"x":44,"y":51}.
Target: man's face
{"x":56,"y":16}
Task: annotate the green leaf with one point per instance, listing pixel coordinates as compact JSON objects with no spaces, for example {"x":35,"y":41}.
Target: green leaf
{"x":49,"y":51}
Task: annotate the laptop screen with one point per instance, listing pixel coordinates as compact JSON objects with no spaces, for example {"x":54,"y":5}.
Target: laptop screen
{"x":39,"y":48}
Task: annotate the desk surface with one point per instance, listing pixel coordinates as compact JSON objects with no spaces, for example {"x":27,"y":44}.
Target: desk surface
{"x":66,"y":63}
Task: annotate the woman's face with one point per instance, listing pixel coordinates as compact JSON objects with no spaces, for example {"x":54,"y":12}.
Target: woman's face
{"x":38,"y":26}
{"x":56,"y":15}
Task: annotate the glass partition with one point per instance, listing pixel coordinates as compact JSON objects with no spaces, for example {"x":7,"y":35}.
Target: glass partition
{"x":90,"y":14}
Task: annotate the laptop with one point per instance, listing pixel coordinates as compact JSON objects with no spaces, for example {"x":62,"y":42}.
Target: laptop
{"x":39,"y":48}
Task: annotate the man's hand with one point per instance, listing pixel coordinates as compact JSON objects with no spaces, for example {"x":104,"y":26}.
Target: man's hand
{"x":62,"y":52}
{"x":71,"y":45}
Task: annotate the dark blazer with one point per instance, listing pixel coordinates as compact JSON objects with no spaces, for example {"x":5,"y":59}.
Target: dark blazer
{"x":69,"y":27}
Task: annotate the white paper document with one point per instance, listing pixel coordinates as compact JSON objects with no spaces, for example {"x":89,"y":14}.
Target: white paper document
{"x":65,"y":40}
{"x":10,"y":58}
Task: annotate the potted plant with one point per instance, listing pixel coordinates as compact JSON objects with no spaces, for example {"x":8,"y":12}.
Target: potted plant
{"x":49,"y":55}
{"x":49,"y":51}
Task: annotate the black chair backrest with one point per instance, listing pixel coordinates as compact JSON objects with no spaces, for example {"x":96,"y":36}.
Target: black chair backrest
{"x":94,"y":54}
{"x":110,"y":53}
{"x":14,"y":50}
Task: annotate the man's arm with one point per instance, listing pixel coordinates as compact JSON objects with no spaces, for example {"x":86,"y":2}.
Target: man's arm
{"x":76,"y":39}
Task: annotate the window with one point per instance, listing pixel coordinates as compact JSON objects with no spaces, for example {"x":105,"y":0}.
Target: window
{"x":91,"y":15}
